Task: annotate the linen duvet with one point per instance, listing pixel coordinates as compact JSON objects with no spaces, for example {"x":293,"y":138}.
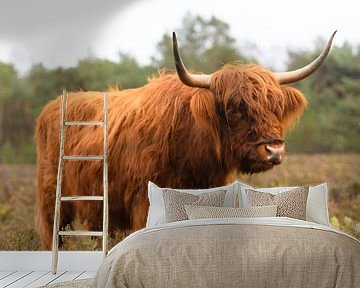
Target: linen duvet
{"x":233,"y":252}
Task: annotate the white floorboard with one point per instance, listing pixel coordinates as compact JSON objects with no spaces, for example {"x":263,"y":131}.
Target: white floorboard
{"x":28,"y":279}
{"x":87,"y":275}
{"x":31,"y":269}
{"x":45,"y":280}
{"x":33,"y":279}
{"x":68,"y":276}
{"x":42,"y":260}
{"x":4,"y":274}
{"x":12,"y":278}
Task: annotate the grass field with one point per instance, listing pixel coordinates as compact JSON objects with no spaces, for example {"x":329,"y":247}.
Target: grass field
{"x":341,"y":172}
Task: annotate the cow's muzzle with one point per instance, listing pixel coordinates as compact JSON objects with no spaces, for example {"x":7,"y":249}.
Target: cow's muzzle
{"x":272,"y":151}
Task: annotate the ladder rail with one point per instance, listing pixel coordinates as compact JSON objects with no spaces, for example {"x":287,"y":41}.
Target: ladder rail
{"x":105,"y":178}
{"x":55,"y":245}
{"x":56,"y":229}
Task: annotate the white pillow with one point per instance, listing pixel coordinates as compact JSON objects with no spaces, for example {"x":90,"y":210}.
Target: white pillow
{"x":156,"y":214}
{"x":316,"y":207}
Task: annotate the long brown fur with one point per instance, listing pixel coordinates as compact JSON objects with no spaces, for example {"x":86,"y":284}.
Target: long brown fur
{"x":165,"y":132}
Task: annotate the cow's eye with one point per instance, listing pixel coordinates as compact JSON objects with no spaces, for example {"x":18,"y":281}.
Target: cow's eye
{"x":242,"y":108}
{"x":251,"y":134}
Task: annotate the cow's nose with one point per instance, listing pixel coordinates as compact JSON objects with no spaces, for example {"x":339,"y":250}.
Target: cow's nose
{"x":276,"y":153}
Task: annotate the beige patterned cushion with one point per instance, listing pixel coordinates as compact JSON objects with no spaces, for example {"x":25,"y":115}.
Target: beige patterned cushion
{"x":174,"y":202}
{"x":200,"y":212}
{"x":290,"y":203}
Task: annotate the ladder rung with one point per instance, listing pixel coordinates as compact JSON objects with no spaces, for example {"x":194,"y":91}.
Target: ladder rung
{"x":84,"y":123}
{"x":77,"y":198}
{"x":83,"y":157}
{"x":81,"y":233}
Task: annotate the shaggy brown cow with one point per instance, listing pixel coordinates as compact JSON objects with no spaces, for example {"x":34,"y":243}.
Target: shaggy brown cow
{"x":176,"y":135}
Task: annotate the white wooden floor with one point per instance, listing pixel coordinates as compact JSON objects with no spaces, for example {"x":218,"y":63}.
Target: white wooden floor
{"x":33,"y":269}
{"x":29,"y":279}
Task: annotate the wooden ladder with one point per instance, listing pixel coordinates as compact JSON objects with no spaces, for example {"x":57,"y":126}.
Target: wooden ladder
{"x":59,"y":198}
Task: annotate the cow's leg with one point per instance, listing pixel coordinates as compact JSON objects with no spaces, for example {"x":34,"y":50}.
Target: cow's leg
{"x":67,"y":216}
{"x":139,"y":211}
{"x":45,"y":203}
{"x":90,"y":214}
{"x":45,"y":206}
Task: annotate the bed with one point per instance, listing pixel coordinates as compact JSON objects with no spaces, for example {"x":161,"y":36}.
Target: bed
{"x":234,"y":251}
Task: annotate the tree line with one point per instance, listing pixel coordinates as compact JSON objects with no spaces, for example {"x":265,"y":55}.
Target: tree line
{"x":331,"y":124}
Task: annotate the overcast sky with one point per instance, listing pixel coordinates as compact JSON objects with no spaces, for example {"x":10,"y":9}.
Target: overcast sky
{"x":59,"y":33}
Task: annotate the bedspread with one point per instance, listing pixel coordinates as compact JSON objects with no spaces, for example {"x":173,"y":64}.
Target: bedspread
{"x":268,"y":252}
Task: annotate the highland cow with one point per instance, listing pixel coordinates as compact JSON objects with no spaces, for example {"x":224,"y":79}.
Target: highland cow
{"x":179,"y":130}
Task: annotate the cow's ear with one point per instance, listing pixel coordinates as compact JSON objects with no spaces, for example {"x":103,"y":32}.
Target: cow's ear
{"x":294,"y":105}
{"x":203,"y":109}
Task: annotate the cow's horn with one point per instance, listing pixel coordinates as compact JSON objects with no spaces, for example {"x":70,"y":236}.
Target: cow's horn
{"x":193,"y":80}
{"x":299,"y":74}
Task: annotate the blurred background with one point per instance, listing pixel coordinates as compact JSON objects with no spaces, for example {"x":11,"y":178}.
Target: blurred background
{"x":48,"y":46}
